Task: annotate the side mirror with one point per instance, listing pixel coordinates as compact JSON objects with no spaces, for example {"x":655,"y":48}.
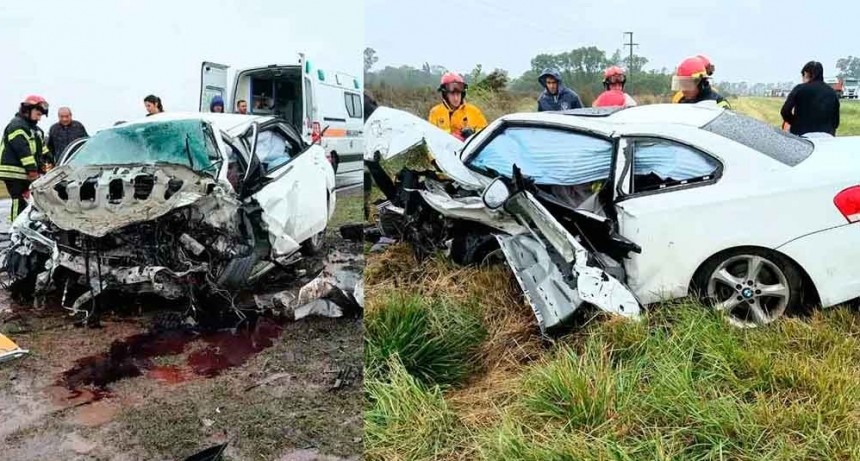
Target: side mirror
{"x":496,"y":194}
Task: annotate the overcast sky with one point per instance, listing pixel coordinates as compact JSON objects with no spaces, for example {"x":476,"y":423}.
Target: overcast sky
{"x":102,"y":58}
{"x":748,"y":40}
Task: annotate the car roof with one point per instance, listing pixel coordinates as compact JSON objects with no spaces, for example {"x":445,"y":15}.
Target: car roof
{"x":230,"y":123}
{"x":609,"y":120}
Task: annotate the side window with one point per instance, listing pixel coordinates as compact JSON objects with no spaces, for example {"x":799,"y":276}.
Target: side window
{"x":274,"y":149}
{"x":660,"y":164}
{"x":353,"y":105}
{"x":550,"y":156}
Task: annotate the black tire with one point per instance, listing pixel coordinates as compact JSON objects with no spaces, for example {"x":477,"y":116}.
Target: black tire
{"x":335,"y":161}
{"x":237,"y":271}
{"x":775,"y":268}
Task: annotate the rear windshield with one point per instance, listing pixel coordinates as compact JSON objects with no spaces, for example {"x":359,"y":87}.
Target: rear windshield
{"x":755,"y":134}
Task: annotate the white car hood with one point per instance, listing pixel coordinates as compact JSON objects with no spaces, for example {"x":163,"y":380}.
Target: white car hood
{"x":390,"y":133}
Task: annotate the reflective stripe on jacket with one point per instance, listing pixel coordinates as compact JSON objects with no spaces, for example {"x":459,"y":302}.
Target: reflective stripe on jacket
{"x":21,"y":143}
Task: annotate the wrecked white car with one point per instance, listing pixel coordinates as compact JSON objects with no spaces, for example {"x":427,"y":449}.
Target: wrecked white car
{"x":621,"y":208}
{"x":171,"y":204}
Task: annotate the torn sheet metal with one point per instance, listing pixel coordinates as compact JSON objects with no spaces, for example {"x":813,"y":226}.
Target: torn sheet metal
{"x":96,"y":200}
{"x":392,"y":132}
{"x":471,"y":209}
{"x":552,"y":300}
{"x":556,"y":292}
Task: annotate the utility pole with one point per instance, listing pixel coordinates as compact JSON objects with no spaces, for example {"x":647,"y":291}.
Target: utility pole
{"x":631,"y":45}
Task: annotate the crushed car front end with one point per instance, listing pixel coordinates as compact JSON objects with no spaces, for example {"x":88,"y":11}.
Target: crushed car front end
{"x":438,"y":204}
{"x":140,"y":210}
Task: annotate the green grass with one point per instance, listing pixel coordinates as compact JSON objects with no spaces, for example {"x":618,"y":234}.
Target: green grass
{"x":680,"y":384}
{"x":349,"y":209}
{"x":683,"y":385}
{"x":406,"y":420}
{"x":435,"y":341}
{"x":767,"y":109}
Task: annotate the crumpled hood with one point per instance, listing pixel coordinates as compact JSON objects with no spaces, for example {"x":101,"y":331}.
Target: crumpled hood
{"x":96,"y":200}
{"x":392,"y":132}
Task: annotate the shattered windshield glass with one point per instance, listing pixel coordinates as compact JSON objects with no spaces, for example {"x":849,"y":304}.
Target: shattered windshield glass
{"x":769,"y":140}
{"x":180,"y":142}
{"x":549,"y":156}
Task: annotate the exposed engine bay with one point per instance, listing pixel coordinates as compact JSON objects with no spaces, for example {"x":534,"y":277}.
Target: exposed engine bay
{"x":176,"y":205}
{"x":163,"y":230}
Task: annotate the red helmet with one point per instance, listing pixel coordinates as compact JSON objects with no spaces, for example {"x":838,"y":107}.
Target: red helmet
{"x":610,"y":98}
{"x":452,"y":81}
{"x":614,"y":74}
{"x":709,"y":66}
{"x":35,"y":101}
{"x":690,"y":73}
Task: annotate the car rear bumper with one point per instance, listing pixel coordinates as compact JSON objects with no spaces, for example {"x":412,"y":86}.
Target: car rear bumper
{"x":832,"y":260}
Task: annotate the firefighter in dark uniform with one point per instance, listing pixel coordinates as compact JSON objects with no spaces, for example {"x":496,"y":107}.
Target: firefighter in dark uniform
{"x":23,"y":152}
{"x":692,"y":81}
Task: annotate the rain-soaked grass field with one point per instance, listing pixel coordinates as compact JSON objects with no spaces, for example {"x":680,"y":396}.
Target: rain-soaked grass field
{"x":456,"y":369}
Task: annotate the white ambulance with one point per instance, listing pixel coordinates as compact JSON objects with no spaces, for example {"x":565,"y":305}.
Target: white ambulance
{"x":315,"y":101}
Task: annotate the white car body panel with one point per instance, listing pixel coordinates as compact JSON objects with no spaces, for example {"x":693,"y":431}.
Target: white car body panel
{"x":830,"y":259}
{"x":757,"y":201}
{"x":392,"y":132}
{"x":297,"y":204}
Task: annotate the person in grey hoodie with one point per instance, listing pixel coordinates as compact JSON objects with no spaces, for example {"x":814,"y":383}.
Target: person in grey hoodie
{"x":555,"y":95}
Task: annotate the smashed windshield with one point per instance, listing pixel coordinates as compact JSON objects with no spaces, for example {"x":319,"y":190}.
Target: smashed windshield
{"x":179,"y":142}
{"x":549,"y":156}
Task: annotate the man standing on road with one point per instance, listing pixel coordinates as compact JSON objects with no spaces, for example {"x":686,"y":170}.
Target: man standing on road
{"x":242,"y":107}
{"x":64,"y":132}
{"x":555,"y":95}
{"x":21,"y":143}
{"x":812,"y":106}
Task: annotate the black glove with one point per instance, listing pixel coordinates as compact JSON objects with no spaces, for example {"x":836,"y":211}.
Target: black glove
{"x":466,"y":132}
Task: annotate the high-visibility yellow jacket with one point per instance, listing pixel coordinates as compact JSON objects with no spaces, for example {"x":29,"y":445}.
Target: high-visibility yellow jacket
{"x":21,"y":143}
{"x":453,"y":121}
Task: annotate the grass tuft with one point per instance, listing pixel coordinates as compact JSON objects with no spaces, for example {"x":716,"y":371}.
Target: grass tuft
{"x":406,"y":420}
{"x":437,"y":342}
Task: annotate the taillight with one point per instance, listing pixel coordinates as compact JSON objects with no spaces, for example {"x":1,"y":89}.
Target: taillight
{"x":848,"y":203}
{"x":315,"y":132}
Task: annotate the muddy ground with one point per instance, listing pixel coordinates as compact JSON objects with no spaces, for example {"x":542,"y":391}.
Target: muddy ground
{"x":274,"y":389}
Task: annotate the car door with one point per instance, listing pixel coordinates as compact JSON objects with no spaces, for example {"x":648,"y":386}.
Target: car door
{"x":657,"y":184}
{"x":213,"y":82}
{"x":547,"y":169}
{"x":293,"y":188}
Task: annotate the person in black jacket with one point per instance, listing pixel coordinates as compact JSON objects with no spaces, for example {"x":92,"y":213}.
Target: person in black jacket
{"x":812,"y":106}
{"x":21,"y":145}
{"x":64,"y":132}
